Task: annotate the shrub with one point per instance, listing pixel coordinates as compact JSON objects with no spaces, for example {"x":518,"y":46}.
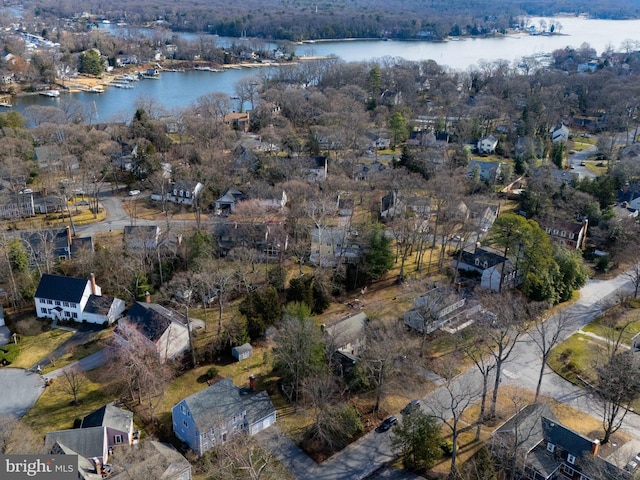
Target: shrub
{"x":9,"y":353}
{"x":447,"y":448}
{"x":212,"y":372}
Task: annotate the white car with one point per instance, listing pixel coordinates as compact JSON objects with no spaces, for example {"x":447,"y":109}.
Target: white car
{"x":133,"y":193}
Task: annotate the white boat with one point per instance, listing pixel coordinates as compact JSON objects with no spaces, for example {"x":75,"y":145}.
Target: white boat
{"x":121,"y":85}
{"x":51,"y":93}
{"x":96,"y":90}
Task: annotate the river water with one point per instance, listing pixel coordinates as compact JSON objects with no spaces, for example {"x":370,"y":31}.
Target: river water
{"x":177,"y":90}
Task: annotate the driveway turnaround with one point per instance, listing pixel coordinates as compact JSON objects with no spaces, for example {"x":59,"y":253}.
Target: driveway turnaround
{"x":20,"y":390}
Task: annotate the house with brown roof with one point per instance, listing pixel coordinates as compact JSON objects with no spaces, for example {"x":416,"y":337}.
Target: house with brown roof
{"x":570,"y":235}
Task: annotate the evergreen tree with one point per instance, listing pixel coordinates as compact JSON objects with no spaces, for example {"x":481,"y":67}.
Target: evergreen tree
{"x":90,"y":63}
{"x":379,"y":255}
{"x":418,"y":439}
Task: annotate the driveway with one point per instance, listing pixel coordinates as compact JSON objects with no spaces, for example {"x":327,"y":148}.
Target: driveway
{"x":21,"y":390}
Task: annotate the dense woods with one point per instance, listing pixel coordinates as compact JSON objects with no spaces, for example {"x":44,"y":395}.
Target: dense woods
{"x":300,"y":20}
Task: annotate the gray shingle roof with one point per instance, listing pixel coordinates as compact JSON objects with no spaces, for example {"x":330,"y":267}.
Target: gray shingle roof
{"x":152,"y":319}
{"x":88,"y":442}
{"x":224,"y":400}
{"x":99,"y":304}
{"x":109,"y":416}
{"x":56,"y":287}
{"x":527,"y":425}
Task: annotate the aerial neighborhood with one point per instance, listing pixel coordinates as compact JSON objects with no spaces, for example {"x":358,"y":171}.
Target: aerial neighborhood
{"x":329,"y":270}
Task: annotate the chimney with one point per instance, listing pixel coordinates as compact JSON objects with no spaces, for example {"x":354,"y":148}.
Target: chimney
{"x":252,"y":382}
{"x":93,"y":284}
{"x":147,"y":297}
{"x":595,"y":447}
{"x":69,"y":238}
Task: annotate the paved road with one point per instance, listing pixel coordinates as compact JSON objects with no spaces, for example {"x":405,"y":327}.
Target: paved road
{"x":87,"y":363}
{"x":373,"y":452}
{"x":20,"y":390}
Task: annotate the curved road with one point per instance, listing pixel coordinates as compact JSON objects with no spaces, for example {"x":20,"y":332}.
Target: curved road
{"x":373,"y":451}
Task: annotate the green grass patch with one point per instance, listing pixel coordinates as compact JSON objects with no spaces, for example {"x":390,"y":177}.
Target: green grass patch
{"x":574,"y":358}
{"x":9,"y":353}
{"x":53,"y":411}
{"x":604,"y":328}
{"x":101,"y":341}
{"x":35,"y":348}
{"x":598,"y":167}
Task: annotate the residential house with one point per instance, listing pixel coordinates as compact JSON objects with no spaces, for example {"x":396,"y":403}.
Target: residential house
{"x":184,"y":192}
{"x":332,"y":245}
{"x":547,"y":450}
{"x":346,"y":336}
{"x":395,"y":204}
{"x":363,"y":172}
{"x":145,"y":237}
{"x":118,"y":423}
{"x":242,"y":352}
{"x":487,"y":144}
{"x":483,"y":215}
{"x":269,"y":239}
{"x":237,"y":121}
{"x":441,"y":307}
{"x":213,"y":415}
{"x":158,"y":460}
{"x":379,"y":141}
{"x":345,"y":205}
{"x":490,"y":172}
{"x":491,"y":266}
{"x":165,"y":329}
{"x":560,"y":134}
{"x":314,"y":169}
{"x":24,"y":207}
{"x":226,"y":204}
{"x":89,"y":443}
{"x":47,"y":246}
{"x":571,"y":235}
{"x":68,"y":298}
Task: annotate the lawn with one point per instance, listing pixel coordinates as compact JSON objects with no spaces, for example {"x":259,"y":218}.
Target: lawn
{"x":54,"y":411}
{"x":34,"y":348}
{"x":609,"y":324}
{"x":597,"y":168}
{"x":573,"y":358}
{"x":100,"y":341}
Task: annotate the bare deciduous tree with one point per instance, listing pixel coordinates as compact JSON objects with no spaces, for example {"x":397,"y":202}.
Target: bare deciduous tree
{"x":74,"y":380}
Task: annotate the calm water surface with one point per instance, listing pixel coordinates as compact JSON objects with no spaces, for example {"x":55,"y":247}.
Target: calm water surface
{"x":177,"y":90}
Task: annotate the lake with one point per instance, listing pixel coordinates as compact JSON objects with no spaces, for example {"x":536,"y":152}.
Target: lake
{"x":177,"y":90}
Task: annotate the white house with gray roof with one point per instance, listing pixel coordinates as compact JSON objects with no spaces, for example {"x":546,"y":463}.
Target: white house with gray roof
{"x":211,"y":416}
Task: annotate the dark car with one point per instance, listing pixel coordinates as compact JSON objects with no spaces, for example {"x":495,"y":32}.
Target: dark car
{"x":410,"y":407}
{"x":386,"y":424}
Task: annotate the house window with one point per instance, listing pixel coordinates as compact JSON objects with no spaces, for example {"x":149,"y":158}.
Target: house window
{"x":65,"y":304}
{"x":58,"y":303}
{"x":49,"y":302}
{"x":550,"y":447}
{"x":184,"y":422}
{"x":582,"y":477}
{"x":73,"y":305}
{"x":571,"y":459}
{"x":117,"y":439}
{"x":75,"y":314}
{"x":485,"y":265}
{"x":568,"y":470}
{"x":477,"y":262}
{"x":67,"y":314}
{"x":182,"y":409}
{"x":555,"y":231}
{"x":571,"y":236}
{"x":43,"y":310}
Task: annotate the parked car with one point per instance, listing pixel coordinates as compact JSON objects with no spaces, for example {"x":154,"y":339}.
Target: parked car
{"x":133,"y":193}
{"x":386,"y":424}
{"x":410,"y":407}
